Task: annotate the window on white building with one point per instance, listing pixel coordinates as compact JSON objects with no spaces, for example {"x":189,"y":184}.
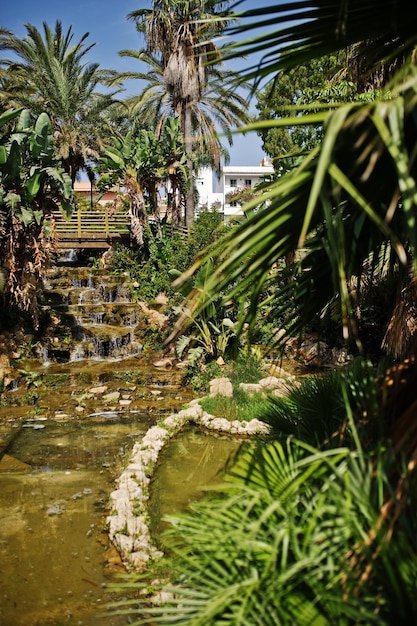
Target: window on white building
{"x":233,"y":182}
{"x":248,"y":182}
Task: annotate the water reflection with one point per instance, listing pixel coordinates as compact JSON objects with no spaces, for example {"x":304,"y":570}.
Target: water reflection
{"x":191,"y":462}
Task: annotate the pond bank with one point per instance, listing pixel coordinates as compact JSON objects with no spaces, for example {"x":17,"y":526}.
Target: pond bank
{"x":128,"y":522}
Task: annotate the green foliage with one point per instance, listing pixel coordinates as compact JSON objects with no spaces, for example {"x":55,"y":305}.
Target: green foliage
{"x":242,"y":406}
{"x":297,"y":92}
{"x":297,"y":538}
{"x":314,"y":410}
{"x":32,"y":185}
{"x":246,"y":367}
{"x":48,"y":73}
{"x":147,"y":160}
{"x":155,"y":264}
{"x":199,"y":375}
{"x":30,"y":175}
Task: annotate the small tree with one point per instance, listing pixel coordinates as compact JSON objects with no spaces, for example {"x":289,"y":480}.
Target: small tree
{"x":140,"y":164}
{"x":32,"y":185}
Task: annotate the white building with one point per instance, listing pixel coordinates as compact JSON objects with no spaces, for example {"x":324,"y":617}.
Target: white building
{"x":216,"y":192}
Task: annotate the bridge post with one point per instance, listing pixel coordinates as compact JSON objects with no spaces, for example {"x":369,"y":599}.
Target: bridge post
{"x":106,"y":222}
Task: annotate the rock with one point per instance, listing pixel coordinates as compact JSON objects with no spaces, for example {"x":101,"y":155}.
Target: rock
{"x":10,"y":464}
{"x":250,"y":388}
{"x":59,"y":415}
{"x":279,"y":386}
{"x":112,"y":397}
{"x":98,"y":390}
{"x":125,"y":402}
{"x":340,"y":356}
{"x":161,"y":299}
{"x":163,"y":363}
{"x":221,"y":387}
{"x":313,"y":352}
{"x":155,"y":319}
{"x":106,"y":261}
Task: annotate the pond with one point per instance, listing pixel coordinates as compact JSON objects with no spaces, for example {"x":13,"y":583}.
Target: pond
{"x":66,"y":434}
{"x":55,"y":481}
{"x":56,"y":559}
{"x":193,"y":461}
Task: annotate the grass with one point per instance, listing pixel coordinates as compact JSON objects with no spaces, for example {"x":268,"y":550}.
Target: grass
{"x":242,"y":406}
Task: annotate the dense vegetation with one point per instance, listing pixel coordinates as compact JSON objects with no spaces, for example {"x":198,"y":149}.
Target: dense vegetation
{"x":317,"y":524}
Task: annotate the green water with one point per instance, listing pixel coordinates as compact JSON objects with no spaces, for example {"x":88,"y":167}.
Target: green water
{"x":55,"y":480}
{"x":192,"y":462}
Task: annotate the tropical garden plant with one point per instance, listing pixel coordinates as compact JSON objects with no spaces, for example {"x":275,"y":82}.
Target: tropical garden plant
{"x":348,"y":207}
{"x":319,"y":527}
{"x":139,"y":164}
{"x":50,"y":73}
{"x":33,"y":185}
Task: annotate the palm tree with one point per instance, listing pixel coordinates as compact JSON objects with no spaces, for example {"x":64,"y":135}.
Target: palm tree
{"x":221,"y":106}
{"x":50,"y":74}
{"x":350,"y":205}
{"x":181,"y":34}
{"x":306,"y":535}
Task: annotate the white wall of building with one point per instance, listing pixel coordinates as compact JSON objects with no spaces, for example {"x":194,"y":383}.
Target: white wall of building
{"x":204,"y":186}
{"x":214,"y":190}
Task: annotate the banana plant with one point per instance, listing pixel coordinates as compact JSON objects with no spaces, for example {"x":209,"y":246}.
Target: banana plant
{"x":31,"y":178}
{"x":211,"y":333}
{"x":140,"y":165}
{"x":33,"y":184}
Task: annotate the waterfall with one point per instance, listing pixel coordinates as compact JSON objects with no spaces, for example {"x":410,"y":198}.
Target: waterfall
{"x":104,"y":322}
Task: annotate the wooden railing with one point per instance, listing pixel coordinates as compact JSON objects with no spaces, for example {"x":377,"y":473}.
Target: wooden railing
{"x":92,"y":229}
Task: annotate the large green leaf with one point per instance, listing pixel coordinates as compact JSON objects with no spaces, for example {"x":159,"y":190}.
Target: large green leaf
{"x":41,"y":139}
{"x":8,"y":116}
{"x":3,"y":155}
{"x":26,"y":216}
{"x":34,"y":183}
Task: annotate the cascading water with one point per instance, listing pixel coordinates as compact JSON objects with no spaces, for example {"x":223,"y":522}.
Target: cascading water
{"x":104,"y":322}
{"x":63,"y":443}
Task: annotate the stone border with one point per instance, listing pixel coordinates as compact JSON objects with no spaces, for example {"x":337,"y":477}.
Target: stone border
{"x":128,"y":522}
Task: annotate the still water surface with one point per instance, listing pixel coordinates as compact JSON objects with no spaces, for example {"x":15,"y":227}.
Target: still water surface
{"x":56,"y":560}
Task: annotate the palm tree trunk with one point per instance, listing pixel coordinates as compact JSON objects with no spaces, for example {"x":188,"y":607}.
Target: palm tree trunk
{"x":188,"y":144}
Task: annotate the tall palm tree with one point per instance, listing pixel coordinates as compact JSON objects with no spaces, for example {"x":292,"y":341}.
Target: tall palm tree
{"x":307,"y":536}
{"x":181,"y":34}
{"x":49,"y":73}
{"x":350,"y":205}
{"x":220,"y":108}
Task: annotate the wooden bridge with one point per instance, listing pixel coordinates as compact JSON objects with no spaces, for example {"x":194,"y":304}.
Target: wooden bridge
{"x":98,"y":229}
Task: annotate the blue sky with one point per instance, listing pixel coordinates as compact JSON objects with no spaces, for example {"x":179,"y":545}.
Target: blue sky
{"x":111,"y":31}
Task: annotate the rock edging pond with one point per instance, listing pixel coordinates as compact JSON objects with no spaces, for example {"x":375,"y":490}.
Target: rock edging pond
{"x":128,"y":522}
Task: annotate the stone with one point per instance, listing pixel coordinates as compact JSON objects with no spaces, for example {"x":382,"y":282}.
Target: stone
{"x":278,"y":386}
{"x":11,"y":464}
{"x":221,"y":387}
{"x":161,"y":299}
{"x":111,"y":397}
{"x":98,"y":390}
{"x":163,"y":363}
{"x":250,"y":388}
